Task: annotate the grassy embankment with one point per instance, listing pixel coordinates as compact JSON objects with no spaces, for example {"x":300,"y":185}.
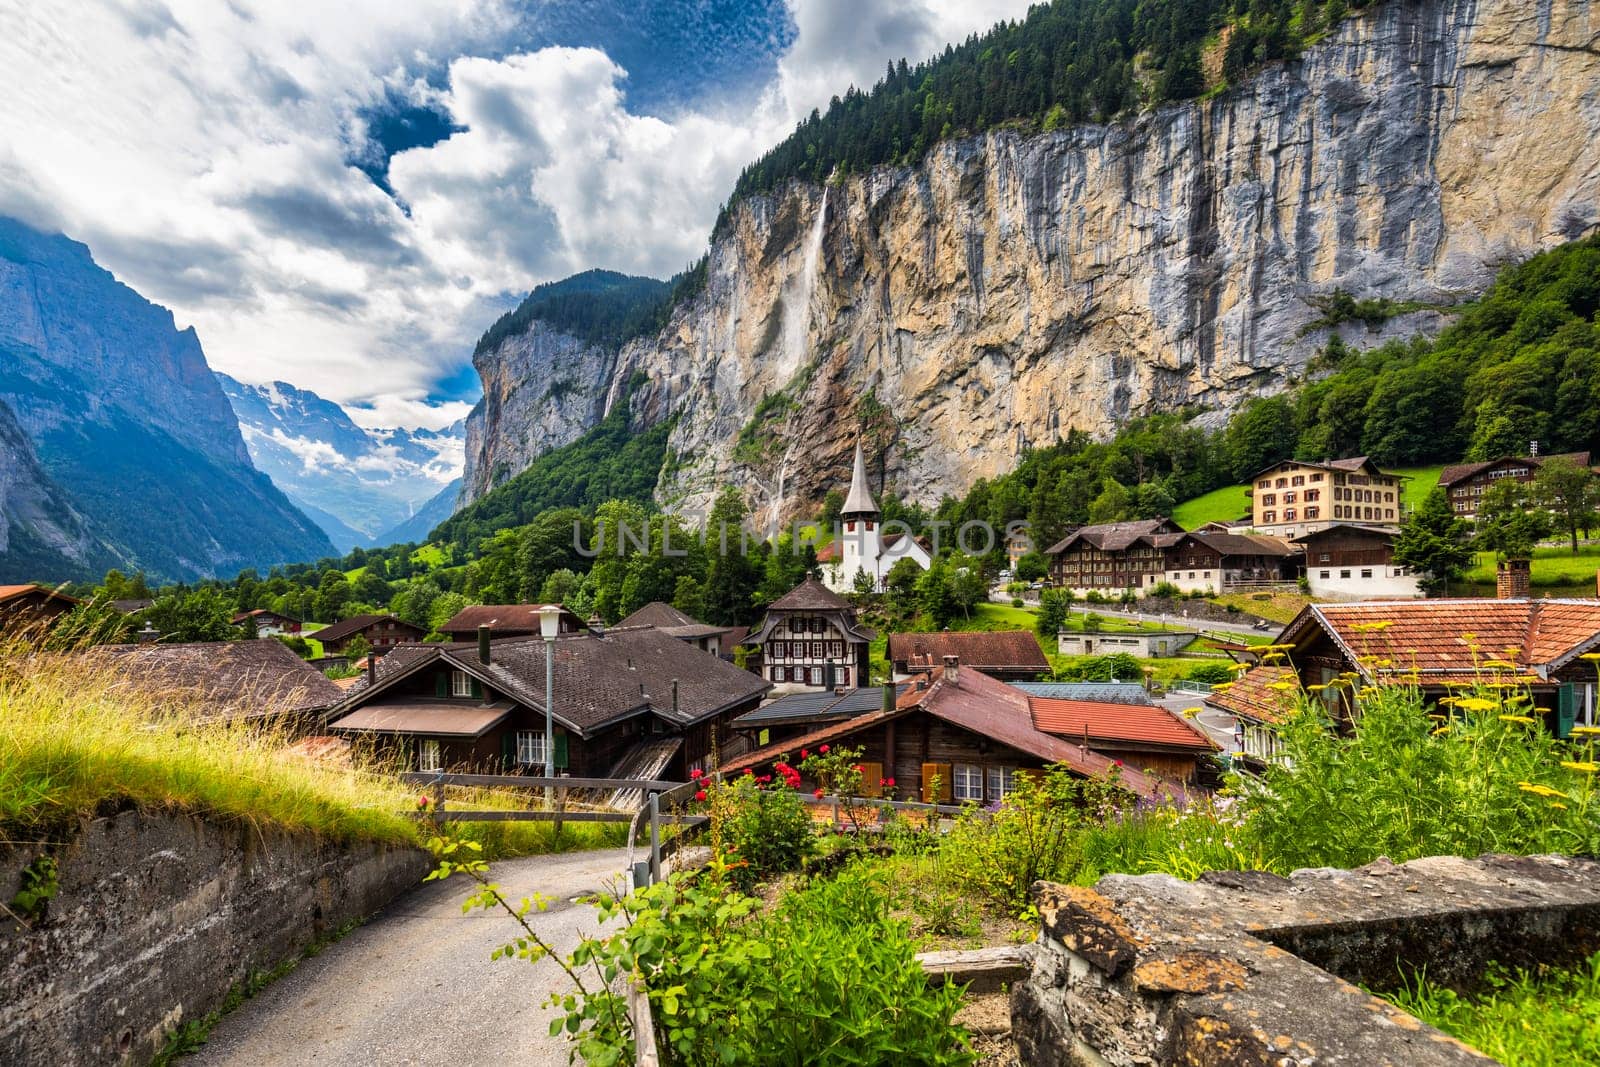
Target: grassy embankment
{"x":74,"y":742}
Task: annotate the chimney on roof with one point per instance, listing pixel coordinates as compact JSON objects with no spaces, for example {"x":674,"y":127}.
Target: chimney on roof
{"x":838,"y":690}
{"x":1513,"y":579}
{"x":597,"y":625}
{"x":149,"y":635}
{"x":483,"y":645}
{"x":674,"y":698}
{"x":888,"y":696}
{"x":372,"y":670}
{"x":952,"y":668}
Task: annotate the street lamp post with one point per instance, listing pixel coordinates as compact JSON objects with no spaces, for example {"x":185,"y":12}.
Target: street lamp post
{"x":549,"y":625}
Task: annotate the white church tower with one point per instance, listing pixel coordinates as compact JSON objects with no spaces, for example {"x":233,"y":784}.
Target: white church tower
{"x":861,"y":536}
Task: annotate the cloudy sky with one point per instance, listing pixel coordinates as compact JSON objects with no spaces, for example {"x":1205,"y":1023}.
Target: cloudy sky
{"x":344,"y":195}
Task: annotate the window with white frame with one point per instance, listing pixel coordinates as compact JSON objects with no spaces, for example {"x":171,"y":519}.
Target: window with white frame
{"x":460,"y":684}
{"x":1002,"y":780}
{"x":968,"y":782}
{"x":816,"y":675}
{"x":530,"y":748}
{"x":429,"y":756}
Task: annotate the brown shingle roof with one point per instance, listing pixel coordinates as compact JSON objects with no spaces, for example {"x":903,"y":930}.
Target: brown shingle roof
{"x":236,"y":678}
{"x":598,"y":678}
{"x":1114,"y":536}
{"x":810,"y":595}
{"x":356,"y":623}
{"x":1457,"y":472}
{"x":1116,"y":723}
{"x":1233,"y":544}
{"x":506,"y":620}
{"x":1009,"y":649}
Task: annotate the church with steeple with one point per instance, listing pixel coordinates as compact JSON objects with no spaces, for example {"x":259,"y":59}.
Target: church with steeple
{"x":861,"y":545}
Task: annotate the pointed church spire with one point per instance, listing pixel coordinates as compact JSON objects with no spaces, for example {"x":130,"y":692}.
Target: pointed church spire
{"x":859,"y":502}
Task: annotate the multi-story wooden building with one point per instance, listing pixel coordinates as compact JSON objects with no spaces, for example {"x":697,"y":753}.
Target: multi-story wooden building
{"x":954,"y":735}
{"x":1296,"y":497}
{"x":628,"y":702}
{"x":1347,"y":561}
{"x":1213,"y":561}
{"x":1112,"y":557}
{"x":811,"y":639}
{"x":1465,"y":483}
{"x":381,"y":633}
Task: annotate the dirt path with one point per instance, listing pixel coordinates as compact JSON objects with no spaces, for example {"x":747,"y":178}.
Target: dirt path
{"x":416,"y":986}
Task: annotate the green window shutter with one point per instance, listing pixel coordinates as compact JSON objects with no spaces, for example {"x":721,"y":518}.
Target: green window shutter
{"x":508,"y":747}
{"x":561,"y":752}
{"x":441,"y":685}
{"x":477,"y":689}
{"x":1566,"y":709}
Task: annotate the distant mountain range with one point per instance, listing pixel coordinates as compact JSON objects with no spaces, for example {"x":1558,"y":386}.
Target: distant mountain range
{"x":117,"y":446}
{"x":362,"y":487}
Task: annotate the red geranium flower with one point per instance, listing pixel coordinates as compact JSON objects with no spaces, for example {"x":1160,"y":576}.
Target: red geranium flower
{"x":700,"y":795}
{"x":823,"y":750}
{"x":422,"y":802}
{"x":697,"y":774}
{"x":805,"y":753}
{"x":818,"y":794}
{"x":1117,"y":762}
{"x":888,"y":781}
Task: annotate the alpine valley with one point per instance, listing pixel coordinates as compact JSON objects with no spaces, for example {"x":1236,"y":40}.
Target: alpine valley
{"x":1006,"y":287}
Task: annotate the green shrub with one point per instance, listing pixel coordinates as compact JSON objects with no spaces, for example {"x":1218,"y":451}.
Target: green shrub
{"x":1166,"y":590}
{"x":1016,"y":602}
{"x":1211,"y":673}
{"x":760,"y":827}
{"x":1410,"y":781}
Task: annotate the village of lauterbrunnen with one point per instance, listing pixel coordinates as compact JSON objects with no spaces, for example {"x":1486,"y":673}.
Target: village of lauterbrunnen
{"x":800,"y":532}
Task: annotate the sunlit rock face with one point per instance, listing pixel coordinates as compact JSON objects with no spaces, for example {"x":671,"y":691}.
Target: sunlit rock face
{"x":1012,"y":287}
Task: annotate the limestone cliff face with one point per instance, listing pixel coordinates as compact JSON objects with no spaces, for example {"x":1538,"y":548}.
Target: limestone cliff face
{"x":541,"y":389}
{"x":1011,"y":287}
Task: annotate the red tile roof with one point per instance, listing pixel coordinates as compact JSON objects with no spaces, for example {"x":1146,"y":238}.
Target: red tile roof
{"x":983,"y":706}
{"x":1453,"y":637}
{"x":1123,"y":724}
{"x":1007,"y":649}
{"x":11,"y":592}
{"x":1252,"y":695}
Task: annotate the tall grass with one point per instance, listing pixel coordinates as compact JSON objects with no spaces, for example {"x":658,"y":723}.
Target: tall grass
{"x":75,"y":739}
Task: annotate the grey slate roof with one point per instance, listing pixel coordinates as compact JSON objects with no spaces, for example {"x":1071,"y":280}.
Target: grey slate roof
{"x":1115,"y":536}
{"x":1099,"y":692}
{"x":670,"y":620}
{"x":598,"y":678}
{"x":817,"y":707}
{"x":811,"y":595}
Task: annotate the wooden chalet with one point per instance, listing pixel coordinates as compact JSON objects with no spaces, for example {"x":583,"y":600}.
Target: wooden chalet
{"x":810,"y":639}
{"x":1346,"y":561}
{"x":1111,"y":557}
{"x":27,"y":607}
{"x":955,"y":735}
{"x":629,"y":702}
{"x":227,"y":680}
{"x":1465,"y":483}
{"x":381,"y":632}
{"x":505,"y":620}
{"x":1009,"y":655}
{"x":268,"y":623}
{"x":1441,"y":646}
{"x":1215,"y":561}
{"x":669,"y":620}
{"x":1145,"y":736}
{"x":795,"y":714}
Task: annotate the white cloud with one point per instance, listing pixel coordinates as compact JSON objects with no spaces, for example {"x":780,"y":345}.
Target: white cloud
{"x":199,"y":149}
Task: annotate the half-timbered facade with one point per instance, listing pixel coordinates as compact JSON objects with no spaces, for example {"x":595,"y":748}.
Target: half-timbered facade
{"x":810,"y":639}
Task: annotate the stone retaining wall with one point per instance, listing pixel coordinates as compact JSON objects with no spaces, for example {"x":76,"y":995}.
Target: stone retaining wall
{"x":1253,"y":968}
{"x":157,"y":917}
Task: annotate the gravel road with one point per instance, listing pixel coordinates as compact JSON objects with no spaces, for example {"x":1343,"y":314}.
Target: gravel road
{"x":415,"y":985}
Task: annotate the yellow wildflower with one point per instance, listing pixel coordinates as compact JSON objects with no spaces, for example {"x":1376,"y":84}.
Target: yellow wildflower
{"x":1541,"y":790}
{"x":1583,"y":766}
{"x":1280,"y":686}
{"x":1558,"y":804}
{"x":1526,"y":719}
{"x":1500,"y":664}
{"x":1475,"y":704}
{"x":1592,"y":657}
{"x":1590,"y":730}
